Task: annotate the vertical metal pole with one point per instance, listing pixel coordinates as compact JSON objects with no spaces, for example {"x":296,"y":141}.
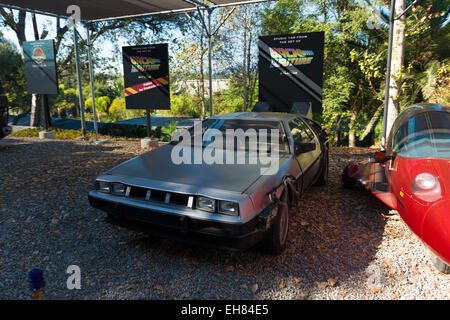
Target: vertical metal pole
{"x":80,"y":87}
{"x":91,"y":76}
{"x":388,"y":75}
{"x":210,"y":63}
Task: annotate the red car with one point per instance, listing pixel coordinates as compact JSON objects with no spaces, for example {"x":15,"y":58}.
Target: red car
{"x":413,"y":176}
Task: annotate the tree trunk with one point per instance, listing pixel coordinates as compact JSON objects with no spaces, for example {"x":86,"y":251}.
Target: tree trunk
{"x":372,"y":123}
{"x":395,"y":81}
{"x":35,"y":116}
{"x":352,"y":130}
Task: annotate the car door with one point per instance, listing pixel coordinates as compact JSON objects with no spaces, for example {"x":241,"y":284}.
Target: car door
{"x":309,"y":161}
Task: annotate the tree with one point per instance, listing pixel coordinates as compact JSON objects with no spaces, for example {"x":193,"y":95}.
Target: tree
{"x":396,"y":75}
{"x":12,"y":75}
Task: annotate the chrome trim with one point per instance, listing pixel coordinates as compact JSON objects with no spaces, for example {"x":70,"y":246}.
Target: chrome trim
{"x":169,"y":209}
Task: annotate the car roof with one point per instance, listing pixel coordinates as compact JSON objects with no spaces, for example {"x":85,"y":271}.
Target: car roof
{"x":257,"y":116}
{"x":412,"y":111}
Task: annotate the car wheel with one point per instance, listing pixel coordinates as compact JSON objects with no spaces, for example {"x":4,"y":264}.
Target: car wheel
{"x":440,"y":265}
{"x":277,"y":238}
{"x":323,"y":178}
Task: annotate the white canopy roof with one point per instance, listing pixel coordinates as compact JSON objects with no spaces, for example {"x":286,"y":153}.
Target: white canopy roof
{"x":95,"y":10}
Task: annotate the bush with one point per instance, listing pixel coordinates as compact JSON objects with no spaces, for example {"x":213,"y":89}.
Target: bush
{"x":60,"y":133}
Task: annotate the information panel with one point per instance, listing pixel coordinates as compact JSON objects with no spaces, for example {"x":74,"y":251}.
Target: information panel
{"x":146,"y":73}
{"x":40,"y":67}
{"x":291,"y":70}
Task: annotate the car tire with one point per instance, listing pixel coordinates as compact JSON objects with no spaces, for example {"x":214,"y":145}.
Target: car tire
{"x":323,"y":178}
{"x":440,"y":265}
{"x":276,"y":240}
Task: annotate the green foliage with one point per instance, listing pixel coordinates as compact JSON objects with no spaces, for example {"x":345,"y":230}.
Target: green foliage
{"x":184,"y":105}
{"x":117,"y":111}
{"x":167,"y":131}
{"x":12,"y":76}
{"x":60,"y":133}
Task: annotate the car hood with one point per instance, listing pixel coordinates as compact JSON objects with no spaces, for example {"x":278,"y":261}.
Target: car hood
{"x":157,"y":165}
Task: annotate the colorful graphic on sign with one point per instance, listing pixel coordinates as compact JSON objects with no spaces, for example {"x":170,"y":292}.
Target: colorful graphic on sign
{"x":288,"y":57}
{"x":144,"y":64}
{"x":38,"y":56}
{"x":146,"y":86}
{"x":146,"y":75}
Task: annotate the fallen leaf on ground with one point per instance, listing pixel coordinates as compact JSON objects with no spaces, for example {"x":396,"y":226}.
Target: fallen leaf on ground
{"x":230,"y":268}
{"x":332,"y":282}
{"x":133,"y":286}
{"x":322,"y":285}
{"x":377,"y":290}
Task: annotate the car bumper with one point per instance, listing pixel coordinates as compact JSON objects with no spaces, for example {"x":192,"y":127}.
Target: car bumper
{"x":180,"y":227}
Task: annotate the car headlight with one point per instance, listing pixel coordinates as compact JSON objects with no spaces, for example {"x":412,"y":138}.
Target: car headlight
{"x":103,"y":186}
{"x":426,"y":187}
{"x":206,"y":204}
{"x":118,"y":189}
{"x":229,"y":208}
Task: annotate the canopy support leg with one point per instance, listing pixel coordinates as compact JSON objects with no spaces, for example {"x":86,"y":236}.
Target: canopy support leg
{"x":210,"y":63}
{"x":91,"y":76}
{"x":80,"y":87}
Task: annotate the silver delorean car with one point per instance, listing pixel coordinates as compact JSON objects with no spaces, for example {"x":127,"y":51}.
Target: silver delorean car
{"x":229,"y":205}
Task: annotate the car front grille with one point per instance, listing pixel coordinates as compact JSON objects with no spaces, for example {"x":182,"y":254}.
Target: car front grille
{"x":159,"y":196}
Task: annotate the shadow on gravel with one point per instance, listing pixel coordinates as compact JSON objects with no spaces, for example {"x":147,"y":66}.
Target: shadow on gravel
{"x":46,"y":221}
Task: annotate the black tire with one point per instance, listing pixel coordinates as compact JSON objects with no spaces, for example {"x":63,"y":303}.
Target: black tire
{"x":276,"y":240}
{"x":323,"y":178}
{"x":440,"y":265}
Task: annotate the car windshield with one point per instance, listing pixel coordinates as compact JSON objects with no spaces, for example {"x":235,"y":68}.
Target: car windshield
{"x":426,"y":135}
{"x":238,"y":134}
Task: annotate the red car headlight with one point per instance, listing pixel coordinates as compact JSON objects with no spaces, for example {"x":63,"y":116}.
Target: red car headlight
{"x":426,"y":187}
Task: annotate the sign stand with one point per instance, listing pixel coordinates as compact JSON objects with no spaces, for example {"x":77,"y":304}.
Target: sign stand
{"x":45,"y":134}
{"x":149,"y":141}
{"x":149,"y":124}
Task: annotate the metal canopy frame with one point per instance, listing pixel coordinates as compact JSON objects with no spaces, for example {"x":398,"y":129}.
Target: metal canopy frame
{"x":201,"y":7}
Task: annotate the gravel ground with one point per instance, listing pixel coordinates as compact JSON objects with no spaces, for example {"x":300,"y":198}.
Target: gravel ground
{"x":343,"y":244}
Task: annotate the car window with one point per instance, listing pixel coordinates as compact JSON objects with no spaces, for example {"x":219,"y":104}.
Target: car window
{"x":300,"y":131}
{"x":426,"y":135}
{"x":251,"y":128}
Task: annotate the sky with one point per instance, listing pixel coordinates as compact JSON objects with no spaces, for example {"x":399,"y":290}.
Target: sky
{"x":49,"y":23}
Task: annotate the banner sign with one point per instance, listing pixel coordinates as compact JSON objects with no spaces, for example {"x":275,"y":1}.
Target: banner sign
{"x":146,"y":73}
{"x":291,"y":70}
{"x":40,"y":67}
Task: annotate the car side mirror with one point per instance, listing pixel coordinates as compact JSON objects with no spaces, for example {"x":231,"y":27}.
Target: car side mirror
{"x":380,"y":157}
{"x":304,"y":147}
